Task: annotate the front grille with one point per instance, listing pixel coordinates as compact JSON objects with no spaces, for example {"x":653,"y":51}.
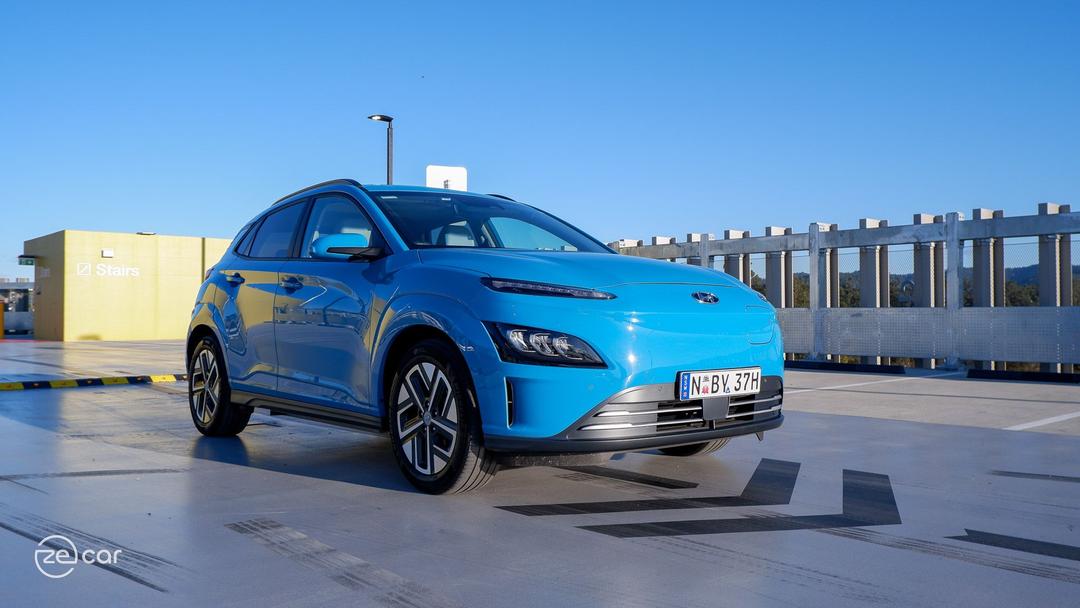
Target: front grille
{"x":663,"y":415}
{"x":752,"y":405}
{"x":640,"y":413}
{"x":674,"y":415}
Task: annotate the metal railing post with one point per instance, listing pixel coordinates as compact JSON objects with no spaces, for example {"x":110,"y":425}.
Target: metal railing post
{"x":953,"y":286}
{"x":834,"y":271}
{"x":939,"y":267}
{"x":884,"y":281}
{"x":819,"y":293}
{"x":869,"y":278}
{"x":777,"y":272}
{"x":789,"y":275}
{"x":999,"y":276}
{"x":1050,"y":272}
{"x":924,"y":283}
{"x":701,"y":238}
{"x":1066,"y":265}
{"x":982,"y":269}
{"x":982,"y":265}
{"x":738,"y":264}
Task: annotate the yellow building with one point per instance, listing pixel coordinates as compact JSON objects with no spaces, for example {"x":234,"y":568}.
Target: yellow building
{"x":117,"y":286}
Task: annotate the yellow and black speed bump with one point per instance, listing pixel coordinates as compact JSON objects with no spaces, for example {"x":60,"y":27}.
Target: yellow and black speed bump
{"x":77,"y":382}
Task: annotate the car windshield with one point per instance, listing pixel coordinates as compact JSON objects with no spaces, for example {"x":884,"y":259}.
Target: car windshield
{"x":443,"y":219}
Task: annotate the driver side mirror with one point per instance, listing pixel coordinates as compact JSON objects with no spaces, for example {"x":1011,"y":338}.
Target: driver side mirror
{"x":347,"y":246}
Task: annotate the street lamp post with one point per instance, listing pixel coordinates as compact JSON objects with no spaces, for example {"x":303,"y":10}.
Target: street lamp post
{"x":389,"y":120}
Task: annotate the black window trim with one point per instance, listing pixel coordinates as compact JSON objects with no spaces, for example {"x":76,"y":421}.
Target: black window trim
{"x":306,"y":202}
{"x":297,"y":257}
{"x":238,"y":240}
{"x":301,"y":228}
{"x":252,"y":227}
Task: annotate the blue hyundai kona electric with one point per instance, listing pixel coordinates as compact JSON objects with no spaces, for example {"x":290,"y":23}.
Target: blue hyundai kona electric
{"x":474,"y":330}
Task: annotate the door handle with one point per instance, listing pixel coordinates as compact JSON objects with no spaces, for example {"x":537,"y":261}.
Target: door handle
{"x":235,"y":278}
{"x":291,"y":283}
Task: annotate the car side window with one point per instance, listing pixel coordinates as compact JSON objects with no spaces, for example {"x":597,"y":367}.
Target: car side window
{"x":275,"y":236}
{"x":249,"y":235}
{"x":335,"y":215}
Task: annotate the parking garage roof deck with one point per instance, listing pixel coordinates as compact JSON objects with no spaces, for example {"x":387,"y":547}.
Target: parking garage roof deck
{"x":881,"y":489}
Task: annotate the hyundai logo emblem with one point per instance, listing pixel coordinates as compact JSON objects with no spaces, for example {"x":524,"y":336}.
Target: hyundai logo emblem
{"x":705,"y":297}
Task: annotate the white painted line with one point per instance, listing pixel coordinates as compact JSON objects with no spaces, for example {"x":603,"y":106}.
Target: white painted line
{"x":832,"y":388}
{"x":1043,"y":422}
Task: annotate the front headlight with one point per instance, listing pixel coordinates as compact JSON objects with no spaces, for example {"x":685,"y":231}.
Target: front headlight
{"x":517,"y":344}
{"x":533,"y":288}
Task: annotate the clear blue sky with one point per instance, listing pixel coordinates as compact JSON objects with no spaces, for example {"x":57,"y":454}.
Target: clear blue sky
{"x":628,"y":119}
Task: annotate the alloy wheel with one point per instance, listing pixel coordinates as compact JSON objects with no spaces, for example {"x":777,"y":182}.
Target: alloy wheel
{"x":426,"y":421}
{"x":205,"y":386}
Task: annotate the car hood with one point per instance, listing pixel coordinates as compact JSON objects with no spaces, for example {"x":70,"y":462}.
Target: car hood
{"x":577,"y":269}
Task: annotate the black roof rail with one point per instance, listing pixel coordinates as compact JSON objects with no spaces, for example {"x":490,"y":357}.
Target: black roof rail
{"x":502,"y":196}
{"x":343,"y":181}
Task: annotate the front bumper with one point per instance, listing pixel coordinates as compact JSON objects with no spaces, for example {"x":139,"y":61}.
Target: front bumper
{"x":649,"y":416}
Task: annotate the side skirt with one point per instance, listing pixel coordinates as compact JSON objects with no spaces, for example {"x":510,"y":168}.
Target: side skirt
{"x":309,"y":411}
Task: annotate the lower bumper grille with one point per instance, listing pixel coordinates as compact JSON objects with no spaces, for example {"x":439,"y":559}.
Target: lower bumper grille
{"x":650,"y":411}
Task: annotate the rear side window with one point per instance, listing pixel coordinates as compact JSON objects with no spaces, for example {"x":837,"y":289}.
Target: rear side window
{"x":275,"y":236}
{"x":249,"y":235}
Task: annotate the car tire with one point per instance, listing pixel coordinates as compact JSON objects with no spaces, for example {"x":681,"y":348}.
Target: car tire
{"x":434,"y":421}
{"x":696,"y":449}
{"x":209,"y":393}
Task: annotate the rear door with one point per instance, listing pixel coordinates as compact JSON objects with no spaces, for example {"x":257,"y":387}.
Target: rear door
{"x":250,"y":282}
{"x":323,"y":313}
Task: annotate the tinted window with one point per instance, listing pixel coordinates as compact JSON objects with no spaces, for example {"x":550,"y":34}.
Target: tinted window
{"x":438,"y":219}
{"x":275,"y":236}
{"x":335,"y":215}
{"x":249,"y":235}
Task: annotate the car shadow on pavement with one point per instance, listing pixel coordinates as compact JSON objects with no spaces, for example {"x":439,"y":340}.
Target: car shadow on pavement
{"x":354,"y":462}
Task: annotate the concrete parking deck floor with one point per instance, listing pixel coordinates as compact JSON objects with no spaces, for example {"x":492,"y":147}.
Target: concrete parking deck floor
{"x":877,"y":490}
{"x":24,"y":360}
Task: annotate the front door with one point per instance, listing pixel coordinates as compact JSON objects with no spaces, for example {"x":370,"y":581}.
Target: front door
{"x":323,"y":312}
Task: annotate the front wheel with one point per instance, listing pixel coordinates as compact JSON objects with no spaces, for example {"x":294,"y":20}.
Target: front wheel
{"x":696,"y":449}
{"x":434,"y":423}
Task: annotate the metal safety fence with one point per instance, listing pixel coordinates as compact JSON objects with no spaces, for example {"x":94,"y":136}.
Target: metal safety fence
{"x":986,"y":292}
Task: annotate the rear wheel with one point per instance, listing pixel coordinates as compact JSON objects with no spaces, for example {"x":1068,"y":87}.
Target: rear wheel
{"x":696,"y":449}
{"x":209,"y":394}
{"x":434,"y":423}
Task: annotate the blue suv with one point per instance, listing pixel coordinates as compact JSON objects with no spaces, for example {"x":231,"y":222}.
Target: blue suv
{"x":474,"y":330}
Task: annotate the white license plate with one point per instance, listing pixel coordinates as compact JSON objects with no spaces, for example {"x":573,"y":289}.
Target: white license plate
{"x":719,"y":383}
